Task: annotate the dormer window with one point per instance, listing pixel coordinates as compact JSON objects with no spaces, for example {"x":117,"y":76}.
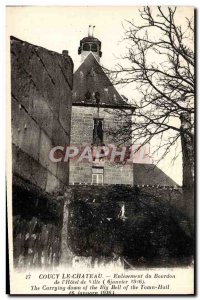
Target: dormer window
{"x":87,"y":96}
{"x":97,"y":97}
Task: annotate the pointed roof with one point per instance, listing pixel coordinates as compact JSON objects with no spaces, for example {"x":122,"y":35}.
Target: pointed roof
{"x":89,"y":79}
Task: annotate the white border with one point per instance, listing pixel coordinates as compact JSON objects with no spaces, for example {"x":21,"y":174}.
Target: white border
{"x":4,"y":3}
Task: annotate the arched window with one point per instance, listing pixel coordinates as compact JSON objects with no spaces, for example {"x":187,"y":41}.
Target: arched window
{"x":86,"y":47}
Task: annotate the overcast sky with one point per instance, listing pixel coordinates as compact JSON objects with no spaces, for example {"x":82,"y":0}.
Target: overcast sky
{"x":62,"y":28}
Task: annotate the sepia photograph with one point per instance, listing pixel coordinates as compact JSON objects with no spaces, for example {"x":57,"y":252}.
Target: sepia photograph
{"x":100,"y":160}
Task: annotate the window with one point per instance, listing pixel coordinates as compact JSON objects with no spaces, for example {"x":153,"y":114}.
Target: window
{"x":98,"y":132}
{"x":97,"y":175}
{"x":90,"y":47}
{"x":94,"y":47}
{"x":87,"y":95}
{"x":86,"y":47}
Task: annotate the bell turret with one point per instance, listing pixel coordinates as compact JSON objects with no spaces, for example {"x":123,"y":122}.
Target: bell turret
{"x":90,"y":44}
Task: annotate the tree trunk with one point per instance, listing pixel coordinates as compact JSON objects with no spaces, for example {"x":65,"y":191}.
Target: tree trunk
{"x":187,"y":143}
{"x":66,"y":254}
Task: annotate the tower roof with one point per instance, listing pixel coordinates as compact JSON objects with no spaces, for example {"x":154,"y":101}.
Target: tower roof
{"x":90,"y":39}
{"x":90,"y":79}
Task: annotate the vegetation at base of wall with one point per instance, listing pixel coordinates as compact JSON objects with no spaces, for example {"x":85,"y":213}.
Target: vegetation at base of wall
{"x":153,"y":233}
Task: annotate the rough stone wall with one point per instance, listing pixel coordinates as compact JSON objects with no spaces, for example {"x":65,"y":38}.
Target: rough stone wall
{"x":82,"y":134}
{"x":37,"y":226}
{"x":41,"y":84}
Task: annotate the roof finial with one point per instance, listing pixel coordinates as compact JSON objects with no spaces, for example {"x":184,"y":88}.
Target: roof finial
{"x":93,"y":31}
{"x":89,"y":30}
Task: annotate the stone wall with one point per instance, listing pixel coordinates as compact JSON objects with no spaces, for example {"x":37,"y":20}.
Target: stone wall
{"x":37,"y":226}
{"x":41,"y":85}
{"x":82,"y":134}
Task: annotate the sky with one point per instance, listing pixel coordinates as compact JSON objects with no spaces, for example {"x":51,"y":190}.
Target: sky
{"x":62,"y":27}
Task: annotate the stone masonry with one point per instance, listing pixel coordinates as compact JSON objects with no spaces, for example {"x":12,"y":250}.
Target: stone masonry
{"x":82,"y":135}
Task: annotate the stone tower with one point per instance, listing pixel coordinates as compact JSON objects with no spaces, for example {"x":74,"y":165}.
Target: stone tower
{"x":95,"y":102}
{"x":95,"y":105}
